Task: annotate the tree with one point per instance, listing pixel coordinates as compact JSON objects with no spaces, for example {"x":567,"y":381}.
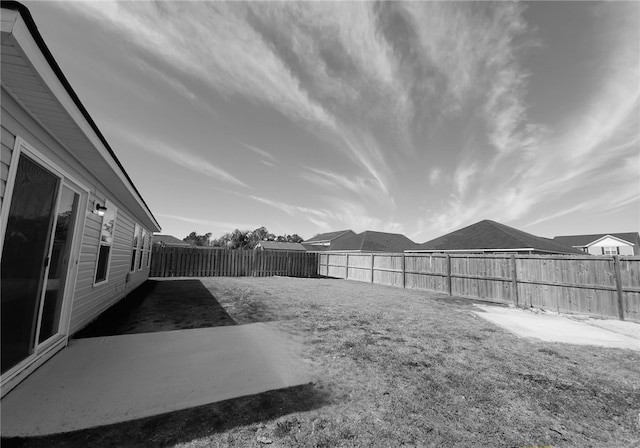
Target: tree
{"x":260,"y":234}
{"x":248,"y":239}
{"x":295,"y":238}
{"x":197,"y":240}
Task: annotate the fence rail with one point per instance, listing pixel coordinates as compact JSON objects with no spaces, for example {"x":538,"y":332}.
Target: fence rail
{"x":598,"y":286}
{"x":209,"y":262}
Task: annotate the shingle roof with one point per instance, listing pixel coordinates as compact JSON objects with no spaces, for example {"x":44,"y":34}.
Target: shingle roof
{"x":278,"y":245}
{"x":585,"y":240}
{"x":328,"y":236}
{"x":371,"y":241}
{"x":168,"y":240}
{"x":494,"y":236}
{"x":315,"y":247}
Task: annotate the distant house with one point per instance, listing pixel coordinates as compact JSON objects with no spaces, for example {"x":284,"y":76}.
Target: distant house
{"x":280,"y":246}
{"x":169,"y":241}
{"x":487,"y":237}
{"x":604,"y":243}
{"x":371,"y":241}
{"x":75,"y":232}
{"x":325,"y":241}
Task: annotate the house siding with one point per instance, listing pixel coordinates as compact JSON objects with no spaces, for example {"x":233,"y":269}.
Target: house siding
{"x":89,"y":300}
{"x":624,"y":249}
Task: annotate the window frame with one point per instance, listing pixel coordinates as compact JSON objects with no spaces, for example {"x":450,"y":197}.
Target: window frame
{"x":143,"y":238}
{"x":111,"y":210}
{"x":135,"y":248}
{"x":148,"y":249}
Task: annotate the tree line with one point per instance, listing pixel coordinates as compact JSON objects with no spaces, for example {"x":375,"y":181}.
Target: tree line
{"x":240,"y":239}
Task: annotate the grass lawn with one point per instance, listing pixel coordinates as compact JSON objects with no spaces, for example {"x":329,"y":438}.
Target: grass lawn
{"x":398,"y":367}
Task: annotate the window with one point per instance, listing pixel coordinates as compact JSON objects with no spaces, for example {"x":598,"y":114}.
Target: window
{"x":106,"y":241}
{"x":147,"y":245}
{"x":135,"y":247}
{"x":611,"y":250}
{"x":143,"y":243}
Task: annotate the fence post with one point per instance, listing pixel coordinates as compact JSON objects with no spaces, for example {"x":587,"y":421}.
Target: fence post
{"x":514,"y":279}
{"x":403,"y":272}
{"x":372,"y":267}
{"x":449,"y":287}
{"x":618,"y":277}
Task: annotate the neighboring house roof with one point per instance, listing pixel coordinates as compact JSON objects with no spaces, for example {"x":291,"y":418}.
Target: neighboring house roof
{"x":43,"y":90}
{"x":279,"y":245}
{"x":315,"y":247}
{"x":492,"y":236}
{"x":169,"y":240}
{"x":328,"y":237}
{"x":371,"y":241}
{"x":587,"y":240}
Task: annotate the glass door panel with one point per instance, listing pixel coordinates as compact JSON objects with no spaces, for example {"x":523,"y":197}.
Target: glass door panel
{"x":24,"y":257}
{"x":59,"y":263}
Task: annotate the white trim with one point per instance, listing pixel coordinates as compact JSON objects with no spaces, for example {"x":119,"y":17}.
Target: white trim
{"x":143,"y":236}
{"x":8,"y":191}
{"x":72,"y":274}
{"x":135,"y":248}
{"x":609,"y":236}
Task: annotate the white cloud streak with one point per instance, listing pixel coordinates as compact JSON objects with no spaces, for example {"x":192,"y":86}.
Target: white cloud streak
{"x":261,"y":152}
{"x":207,"y":222}
{"x":183,"y":157}
{"x":369,"y":77}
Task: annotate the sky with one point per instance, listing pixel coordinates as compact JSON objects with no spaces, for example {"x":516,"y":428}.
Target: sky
{"x":417,"y":118}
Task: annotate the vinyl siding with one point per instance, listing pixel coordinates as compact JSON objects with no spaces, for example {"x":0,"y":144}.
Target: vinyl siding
{"x":89,"y":300}
{"x":92,"y":300}
{"x":624,"y":250}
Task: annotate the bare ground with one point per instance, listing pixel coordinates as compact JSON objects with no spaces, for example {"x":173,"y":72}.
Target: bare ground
{"x":398,"y":367}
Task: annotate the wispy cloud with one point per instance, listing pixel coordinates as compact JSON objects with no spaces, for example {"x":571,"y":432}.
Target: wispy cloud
{"x":181,"y":156}
{"x":261,"y":152}
{"x":435,"y":175}
{"x":335,"y":181}
{"x":209,"y":223}
{"x":377,"y":80}
{"x":463,"y":176}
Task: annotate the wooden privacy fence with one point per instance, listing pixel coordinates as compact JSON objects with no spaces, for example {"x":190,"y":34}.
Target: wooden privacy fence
{"x":209,"y":262}
{"x":599,"y":286}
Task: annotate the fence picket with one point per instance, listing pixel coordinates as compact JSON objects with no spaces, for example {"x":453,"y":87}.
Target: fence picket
{"x":209,"y":262}
{"x":601,"y":286}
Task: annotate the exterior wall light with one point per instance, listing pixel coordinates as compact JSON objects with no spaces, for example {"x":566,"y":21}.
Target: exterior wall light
{"x":99,"y":209}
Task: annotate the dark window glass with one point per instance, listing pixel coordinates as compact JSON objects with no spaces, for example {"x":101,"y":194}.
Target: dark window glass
{"x":103,"y":261}
{"x":24,"y":258}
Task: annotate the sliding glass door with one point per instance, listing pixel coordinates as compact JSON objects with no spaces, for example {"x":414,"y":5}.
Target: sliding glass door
{"x":37,"y":245}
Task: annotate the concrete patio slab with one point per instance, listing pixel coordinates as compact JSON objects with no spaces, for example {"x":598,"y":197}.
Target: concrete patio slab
{"x":105,"y":380}
{"x":556,"y":328}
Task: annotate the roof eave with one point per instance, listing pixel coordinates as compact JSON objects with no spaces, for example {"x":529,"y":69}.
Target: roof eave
{"x":25,"y":35}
